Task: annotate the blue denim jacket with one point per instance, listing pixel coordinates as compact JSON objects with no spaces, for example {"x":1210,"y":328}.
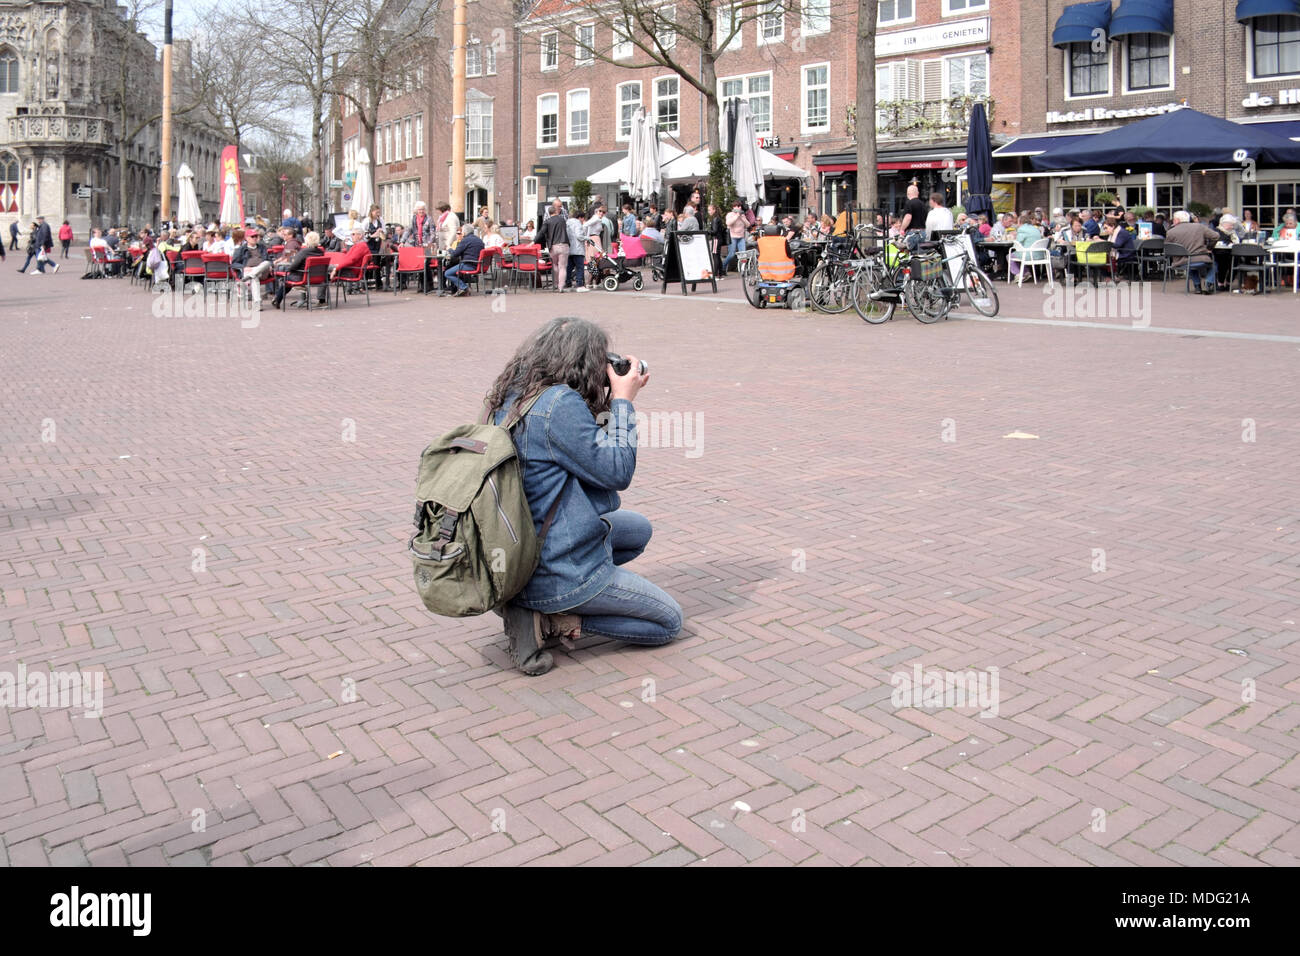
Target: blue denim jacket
{"x":564,"y":452}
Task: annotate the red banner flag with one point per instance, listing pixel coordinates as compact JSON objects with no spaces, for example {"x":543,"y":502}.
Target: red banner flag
{"x":230,"y":164}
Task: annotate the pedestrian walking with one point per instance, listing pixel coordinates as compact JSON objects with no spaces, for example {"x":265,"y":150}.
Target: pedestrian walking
{"x":65,"y":237}
{"x":13,"y":235}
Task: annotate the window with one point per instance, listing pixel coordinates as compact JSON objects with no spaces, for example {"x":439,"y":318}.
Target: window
{"x":757,"y":89}
{"x":816,"y":98}
{"x":478,"y":127}
{"x":896,"y":11}
{"x":585,"y":51}
{"x":406,"y":130}
{"x":8,"y":182}
{"x":1149,"y":62}
{"x":966,"y":76}
{"x":8,"y":72}
{"x":622,"y":43}
{"x":726,"y":19}
{"x":816,"y":17}
{"x":951,"y":7}
{"x":490,"y":60}
{"x":419,"y":134}
{"x":1089,"y":71}
{"x":1275,"y":45}
{"x":665,"y":27}
{"x":579,"y":117}
{"x":771,"y":23}
{"x":629,"y":99}
{"x":474,"y":59}
{"x":1267,"y":202}
{"x":388,"y":142}
{"x":551,"y":51}
{"x":548,"y":119}
{"x":667,"y":116}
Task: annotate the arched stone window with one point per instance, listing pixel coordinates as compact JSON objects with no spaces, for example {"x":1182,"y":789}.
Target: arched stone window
{"x":8,"y":70}
{"x":8,"y":182}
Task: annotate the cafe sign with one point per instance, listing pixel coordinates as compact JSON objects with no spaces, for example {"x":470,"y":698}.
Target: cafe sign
{"x":1281,"y":98}
{"x":1095,"y":114}
{"x":961,"y":33}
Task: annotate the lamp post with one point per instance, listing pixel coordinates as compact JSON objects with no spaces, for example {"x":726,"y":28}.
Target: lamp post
{"x":284,"y":181}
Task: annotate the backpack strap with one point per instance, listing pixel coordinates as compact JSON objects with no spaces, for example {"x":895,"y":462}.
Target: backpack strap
{"x":517,"y":412}
{"x":550,"y":515}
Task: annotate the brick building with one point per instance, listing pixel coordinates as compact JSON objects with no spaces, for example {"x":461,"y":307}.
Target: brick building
{"x":791,"y":63}
{"x":1237,"y":59}
{"x":411,"y":151}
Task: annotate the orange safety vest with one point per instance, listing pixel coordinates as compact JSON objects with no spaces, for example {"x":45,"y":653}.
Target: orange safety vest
{"x":774,"y":263}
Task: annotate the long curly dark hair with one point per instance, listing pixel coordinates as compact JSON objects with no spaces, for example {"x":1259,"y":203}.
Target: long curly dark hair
{"x":565,"y":351}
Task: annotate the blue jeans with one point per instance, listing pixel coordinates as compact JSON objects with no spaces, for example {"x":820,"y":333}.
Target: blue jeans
{"x":577,"y":267}
{"x":453,"y":276}
{"x":737,"y":245}
{"x":630,"y":608}
{"x":1209,"y":269}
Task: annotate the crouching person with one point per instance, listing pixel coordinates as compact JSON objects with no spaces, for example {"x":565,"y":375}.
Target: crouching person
{"x":577,"y":449}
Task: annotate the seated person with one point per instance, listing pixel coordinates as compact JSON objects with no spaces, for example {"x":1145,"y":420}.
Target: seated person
{"x":1123,"y":241}
{"x":775,"y":263}
{"x":355,"y":255}
{"x":463,"y":258}
{"x":296,"y":266}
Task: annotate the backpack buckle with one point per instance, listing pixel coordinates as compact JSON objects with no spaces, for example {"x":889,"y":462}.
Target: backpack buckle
{"x":447,"y":526}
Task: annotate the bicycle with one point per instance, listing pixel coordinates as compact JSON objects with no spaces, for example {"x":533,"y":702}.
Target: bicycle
{"x":831,"y":283}
{"x":933,"y":290}
{"x":878,"y":277}
{"x":747,"y":269}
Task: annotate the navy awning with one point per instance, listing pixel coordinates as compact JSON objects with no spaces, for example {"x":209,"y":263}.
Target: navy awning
{"x":1079,"y":20}
{"x":1030,"y":145}
{"x":1143,"y":16}
{"x":1249,"y":9}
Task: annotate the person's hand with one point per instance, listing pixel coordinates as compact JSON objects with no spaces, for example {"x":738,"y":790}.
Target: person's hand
{"x":626,"y":386}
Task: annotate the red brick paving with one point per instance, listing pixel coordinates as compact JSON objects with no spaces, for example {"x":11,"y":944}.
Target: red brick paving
{"x":822,"y":440}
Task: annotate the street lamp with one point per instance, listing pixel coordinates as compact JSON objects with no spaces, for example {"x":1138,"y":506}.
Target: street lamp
{"x":284,"y":181}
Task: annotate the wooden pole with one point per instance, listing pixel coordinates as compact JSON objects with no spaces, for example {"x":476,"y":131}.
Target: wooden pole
{"x":165,"y":172}
{"x":458,"y":38}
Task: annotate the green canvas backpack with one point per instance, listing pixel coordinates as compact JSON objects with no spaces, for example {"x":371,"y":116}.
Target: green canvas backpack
{"x":474,"y":546}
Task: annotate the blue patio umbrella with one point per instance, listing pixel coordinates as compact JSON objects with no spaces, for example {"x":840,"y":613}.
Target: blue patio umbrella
{"x":979,"y":165}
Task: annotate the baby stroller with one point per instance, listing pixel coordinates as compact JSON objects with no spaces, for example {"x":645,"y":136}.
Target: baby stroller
{"x":610,"y":273}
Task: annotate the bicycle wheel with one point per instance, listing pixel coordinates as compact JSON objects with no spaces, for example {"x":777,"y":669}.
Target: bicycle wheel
{"x":981,"y":291}
{"x":828,"y":289}
{"x":926,"y":301}
{"x":866,"y":280}
{"x":749,"y":282}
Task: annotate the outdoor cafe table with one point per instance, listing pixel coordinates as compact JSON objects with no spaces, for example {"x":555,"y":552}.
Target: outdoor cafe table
{"x":1000,"y":251}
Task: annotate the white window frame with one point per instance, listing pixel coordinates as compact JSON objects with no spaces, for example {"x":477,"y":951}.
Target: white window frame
{"x":388,"y":142}
{"x":744,"y":78}
{"x":477,"y":48}
{"x":972,"y":6}
{"x":772,"y":7}
{"x":579,"y":48}
{"x":485,"y":141}
{"x":569,"y":138}
{"x":489,"y":60}
{"x":806,"y":27}
{"x":897,"y":21}
{"x":540,"y":114}
{"x":419,"y":134}
{"x":667,"y":15}
{"x":725,"y":18}
{"x":1123,"y":75}
{"x":406,"y":133}
{"x":1250,"y":61}
{"x":622,"y":48}
{"x":1110,"y":76}
{"x":655,"y":98}
{"x":619,"y":135}
{"x":546,"y":40}
{"x":947,"y":87}
{"x":803,"y":98}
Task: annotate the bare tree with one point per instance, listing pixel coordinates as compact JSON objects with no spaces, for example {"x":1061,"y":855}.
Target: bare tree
{"x":242,"y":98}
{"x":865,"y":126}
{"x":386,"y":41}
{"x":136,"y":83}
{"x":300,"y":42}
{"x":689,"y":43}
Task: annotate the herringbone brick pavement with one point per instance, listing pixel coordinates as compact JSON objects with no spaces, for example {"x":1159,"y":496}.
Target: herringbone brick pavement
{"x":218,"y":527}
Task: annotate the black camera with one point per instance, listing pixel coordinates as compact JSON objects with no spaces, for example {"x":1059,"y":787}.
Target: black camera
{"x":621,"y":365}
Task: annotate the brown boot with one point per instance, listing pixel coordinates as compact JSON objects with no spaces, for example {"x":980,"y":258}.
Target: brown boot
{"x":564,"y":628}
{"x":524,"y":629}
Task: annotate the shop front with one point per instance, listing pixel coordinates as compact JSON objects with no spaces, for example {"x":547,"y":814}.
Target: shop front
{"x":937,"y":171}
